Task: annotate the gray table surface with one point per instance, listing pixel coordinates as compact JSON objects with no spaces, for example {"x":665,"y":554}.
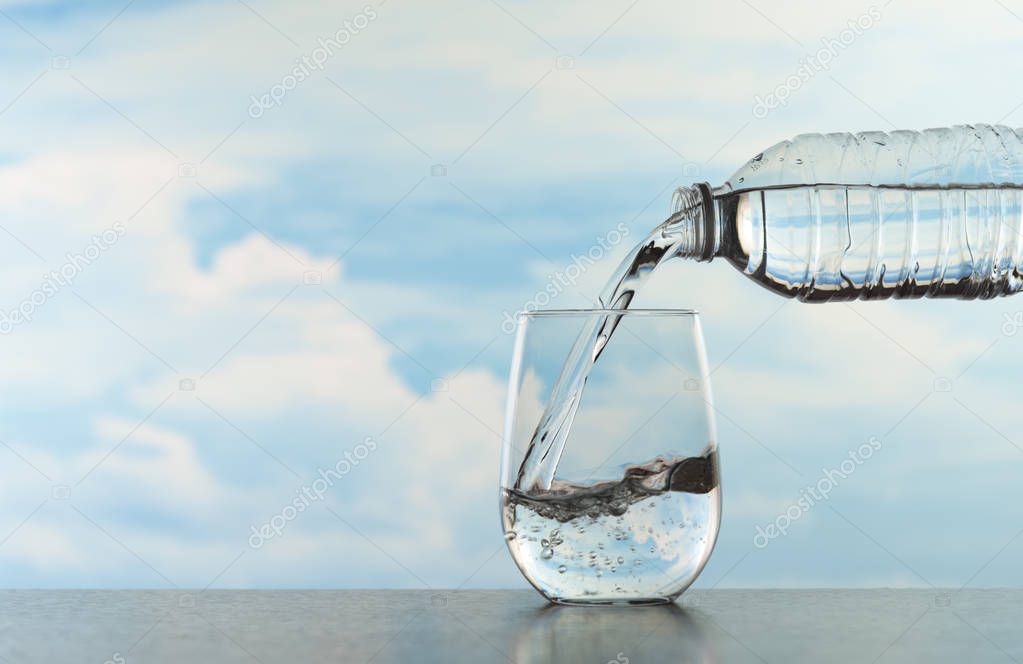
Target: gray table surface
{"x":127,"y":626}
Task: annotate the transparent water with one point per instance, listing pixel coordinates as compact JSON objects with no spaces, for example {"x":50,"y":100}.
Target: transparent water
{"x":641,"y":539}
{"x":826,"y":242}
{"x":828,"y":217}
{"x":873,"y":215}
{"x":822,"y":217}
{"x":548,"y":439}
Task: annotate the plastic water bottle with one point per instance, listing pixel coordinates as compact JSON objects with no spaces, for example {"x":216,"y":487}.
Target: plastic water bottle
{"x":870,"y":215}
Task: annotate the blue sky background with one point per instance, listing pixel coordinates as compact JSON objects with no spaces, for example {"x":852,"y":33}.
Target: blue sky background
{"x":553,"y":124}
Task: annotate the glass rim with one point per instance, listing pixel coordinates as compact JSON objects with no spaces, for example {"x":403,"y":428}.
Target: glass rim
{"x":541,"y":313}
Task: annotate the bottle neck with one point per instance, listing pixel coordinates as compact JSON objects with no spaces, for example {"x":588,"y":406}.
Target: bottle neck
{"x":694,"y":222}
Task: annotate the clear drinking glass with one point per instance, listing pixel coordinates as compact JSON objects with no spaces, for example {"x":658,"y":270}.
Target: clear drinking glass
{"x":633,"y":510}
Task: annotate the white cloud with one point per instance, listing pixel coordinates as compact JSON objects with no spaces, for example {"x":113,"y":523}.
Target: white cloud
{"x":240,"y":268}
{"x":154,"y":457}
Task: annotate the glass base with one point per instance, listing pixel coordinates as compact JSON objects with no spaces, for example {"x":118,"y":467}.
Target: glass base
{"x":617,"y":601}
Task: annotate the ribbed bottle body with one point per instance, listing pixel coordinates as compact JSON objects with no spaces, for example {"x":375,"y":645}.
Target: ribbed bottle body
{"x":875,"y":215}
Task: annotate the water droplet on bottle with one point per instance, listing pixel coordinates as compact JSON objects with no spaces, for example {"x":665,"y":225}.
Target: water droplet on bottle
{"x":621,"y":560}
{"x":545,"y":543}
{"x":562,"y":569}
{"x":510,"y":535}
{"x":547,"y":553}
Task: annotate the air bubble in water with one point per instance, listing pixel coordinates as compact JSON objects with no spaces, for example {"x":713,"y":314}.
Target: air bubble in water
{"x":547,"y":553}
{"x":562,"y":569}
